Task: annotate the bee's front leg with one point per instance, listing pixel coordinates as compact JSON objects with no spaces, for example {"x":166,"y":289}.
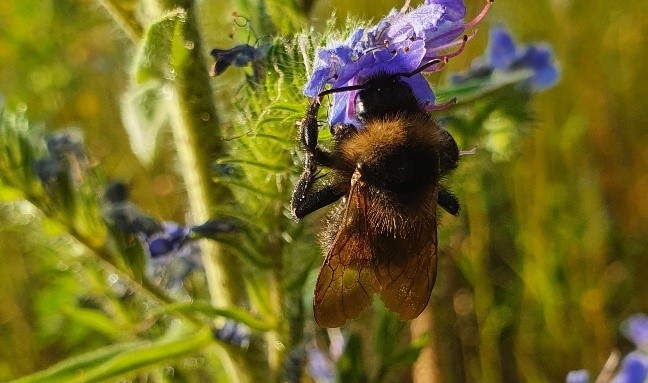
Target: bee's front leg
{"x":305,"y":200}
{"x":449,"y":153}
{"x":448,"y":161}
{"x":308,"y":133}
{"x":448,"y":201}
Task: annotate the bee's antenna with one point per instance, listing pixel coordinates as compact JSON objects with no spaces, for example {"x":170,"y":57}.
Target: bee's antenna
{"x":422,"y":67}
{"x":341,"y":89}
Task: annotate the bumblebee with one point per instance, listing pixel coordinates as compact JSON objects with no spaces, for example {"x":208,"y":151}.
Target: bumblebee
{"x":388,"y":173}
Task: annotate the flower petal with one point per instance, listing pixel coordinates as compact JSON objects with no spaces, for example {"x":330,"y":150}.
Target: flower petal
{"x":634,"y":368}
{"x":421,"y":89}
{"x":501,"y":51}
{"x":338,"y":114}
{"x":635,"y":329}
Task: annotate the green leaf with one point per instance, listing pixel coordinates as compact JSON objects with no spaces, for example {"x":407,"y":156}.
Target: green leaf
{"x":388,"y":335}
{"x":147,"y":355}
{"x":180,"y":46}
{"x":262,"y":165}
{"x":153,"y":60}
{"x":247,"y":253}
{"x":133,"y":253}
{"x":477,"y":88}
{"x":145,"y":112}
{"x":64,"y":371}
{"x":117,"y":360}
{"x":350,"y":366}
{"x":410,"y":354}
{"x":259,"y":296}
{"x":233,"y":313}
{"x":93,"y":319}
{"x":9,"y":194}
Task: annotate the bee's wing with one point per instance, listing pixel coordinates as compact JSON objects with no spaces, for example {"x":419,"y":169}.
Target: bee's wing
{"x":406,"y":269}
{"x":347,"y":280}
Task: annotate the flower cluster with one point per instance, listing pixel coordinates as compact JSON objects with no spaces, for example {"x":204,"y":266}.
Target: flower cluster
{"x":635,"y":328}
{"x":234,"y":333}
{"x":66,"y":158}
{"x":402,"y":42}
{"x":503,"y":55}
{"x":238,"y":56}
{"x":161,"y":239}
{"x":634,"y":367}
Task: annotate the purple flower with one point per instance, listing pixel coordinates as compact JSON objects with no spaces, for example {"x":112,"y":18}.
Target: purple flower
{"x":504,"y":55}
{"x":635,"y":328}
{"x":578,"y":376}
{"x":239,"y":56}
{"x":234,"y":333}
{"x":634,"y":368}
{"x":66,"y":158}
{"x":400,"y":43}
{"x":320,"y":367}
{"x":170,"y":240}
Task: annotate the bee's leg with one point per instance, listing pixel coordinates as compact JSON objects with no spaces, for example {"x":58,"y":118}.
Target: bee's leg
{"x":308,"y":133}
{"x":305,"y":200}
{"x":341,"y":132}
{"x":447,"y":201}
{"x":449,"y":153}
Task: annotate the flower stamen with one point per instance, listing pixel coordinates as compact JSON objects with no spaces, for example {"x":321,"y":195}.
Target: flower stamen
{"x":444,"y":106}
{"x":469,"y":25}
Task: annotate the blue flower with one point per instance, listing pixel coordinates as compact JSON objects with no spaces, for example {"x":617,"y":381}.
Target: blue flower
{"x":234,"y":333}
{"x":578,"y":376}
{"x":634,"y":368}
{"x":400,"y":43}
{"x":126,"y":216}
{"x":66,"y":158}
{"x":320,"y":366}
{"x":635,"y":328}
{"x":239,"y":56}
{"x":504,"y":55}
{"x":170,"y":240}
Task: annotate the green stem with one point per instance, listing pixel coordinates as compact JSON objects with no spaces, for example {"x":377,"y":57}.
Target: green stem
{"x":105,"y":256}
{"x":197,"y":134}
{"x":146,"y":355}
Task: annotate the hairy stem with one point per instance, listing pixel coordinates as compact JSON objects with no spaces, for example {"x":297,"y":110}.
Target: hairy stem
{"x":197,"y":135}
{"x":196,"y":131}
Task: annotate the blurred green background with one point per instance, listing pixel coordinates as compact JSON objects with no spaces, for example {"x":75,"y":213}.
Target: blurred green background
{"x":551,"y":257}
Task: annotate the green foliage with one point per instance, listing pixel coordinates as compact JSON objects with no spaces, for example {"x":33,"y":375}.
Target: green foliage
{"x":545,"y":258}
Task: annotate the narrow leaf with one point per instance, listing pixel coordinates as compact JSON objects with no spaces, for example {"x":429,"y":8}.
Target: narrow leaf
{"x":233,"y":313}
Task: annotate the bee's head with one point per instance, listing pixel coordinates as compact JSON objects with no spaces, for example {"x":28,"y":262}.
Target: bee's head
{"x":384,"y":96}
